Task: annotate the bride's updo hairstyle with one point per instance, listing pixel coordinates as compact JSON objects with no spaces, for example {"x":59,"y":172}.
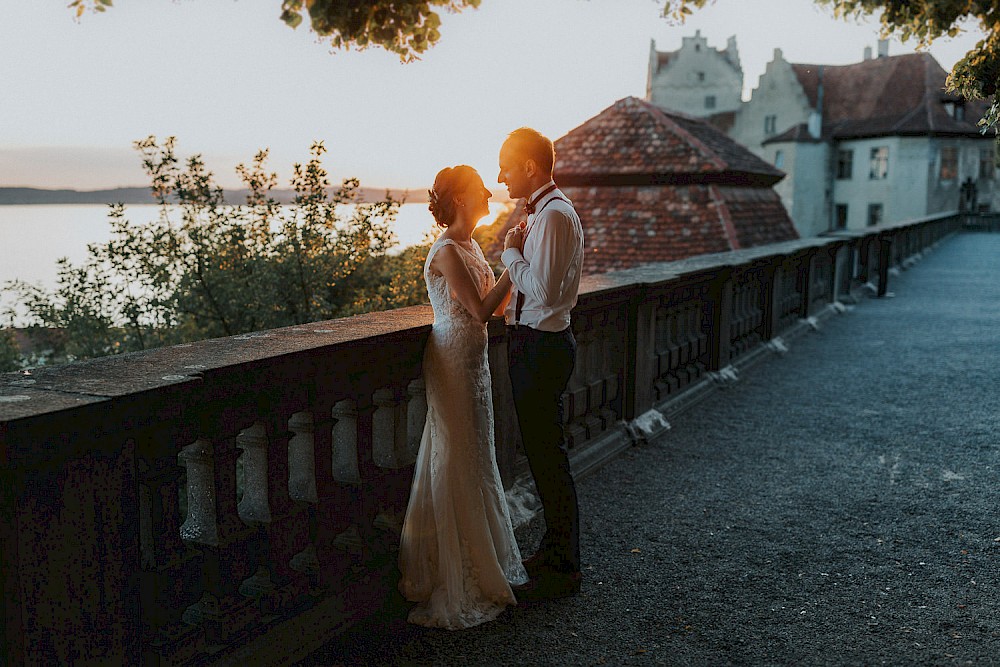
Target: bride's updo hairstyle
{"x":449,"y":182}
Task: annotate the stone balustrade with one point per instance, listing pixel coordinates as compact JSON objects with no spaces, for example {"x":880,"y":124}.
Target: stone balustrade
{"x":242,"y":496}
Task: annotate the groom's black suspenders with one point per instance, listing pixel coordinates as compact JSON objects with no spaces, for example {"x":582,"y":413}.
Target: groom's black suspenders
{"x":519,"y":303}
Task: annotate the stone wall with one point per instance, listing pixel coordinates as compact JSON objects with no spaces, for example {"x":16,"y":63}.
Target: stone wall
{"x":241,"y":497}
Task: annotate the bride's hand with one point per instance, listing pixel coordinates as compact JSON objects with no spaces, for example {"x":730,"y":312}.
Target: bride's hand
{"x":514,"y":238}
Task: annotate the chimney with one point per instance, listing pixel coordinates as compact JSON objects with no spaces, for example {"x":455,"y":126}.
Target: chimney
{"x":883,"y":48}
{"x":868,"y":53}
{"x":815,"y":122}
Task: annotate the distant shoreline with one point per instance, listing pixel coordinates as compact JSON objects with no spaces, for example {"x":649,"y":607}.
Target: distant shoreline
{"x":143,"y":195}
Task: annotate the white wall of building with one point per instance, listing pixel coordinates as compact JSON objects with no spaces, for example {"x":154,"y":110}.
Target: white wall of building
{"x":810,"y":206}
{"x":694,"y":74}
{"x":779,"y":96}
{"x":906,"y":175}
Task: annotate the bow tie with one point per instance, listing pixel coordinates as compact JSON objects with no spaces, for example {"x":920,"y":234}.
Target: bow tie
{"x":529,"y":208}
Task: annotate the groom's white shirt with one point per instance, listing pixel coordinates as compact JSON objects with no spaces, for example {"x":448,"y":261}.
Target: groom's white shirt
{"x":547,"y":272}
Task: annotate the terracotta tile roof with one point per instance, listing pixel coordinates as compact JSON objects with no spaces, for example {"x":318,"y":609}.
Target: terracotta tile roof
{"x":627,"y":226}
{"x":724,"y":120}
{"x":757,"y":216}
{"x":635,"y":142}
{"x":886,"y":96}
{"x":631,"y":225}
{"x":798,"y":132}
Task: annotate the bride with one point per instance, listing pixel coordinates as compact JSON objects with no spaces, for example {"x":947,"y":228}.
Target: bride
{"x":458,"y":556}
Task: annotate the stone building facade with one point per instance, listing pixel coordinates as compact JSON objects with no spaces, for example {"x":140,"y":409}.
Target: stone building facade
{"x":874,"y":141}
{"x":697,"y":79}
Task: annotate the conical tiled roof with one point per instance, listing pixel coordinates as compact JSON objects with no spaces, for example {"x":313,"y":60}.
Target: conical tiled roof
{"x":634,"y":142}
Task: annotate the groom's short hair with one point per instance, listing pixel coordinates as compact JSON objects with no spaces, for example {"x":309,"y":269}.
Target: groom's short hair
{"x":530,"y":144}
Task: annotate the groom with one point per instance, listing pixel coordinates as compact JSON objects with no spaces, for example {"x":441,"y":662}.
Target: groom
{"x":544,"y":259}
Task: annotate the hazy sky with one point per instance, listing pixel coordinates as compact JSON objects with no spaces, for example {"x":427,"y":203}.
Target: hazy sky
{"x":227,"y":77}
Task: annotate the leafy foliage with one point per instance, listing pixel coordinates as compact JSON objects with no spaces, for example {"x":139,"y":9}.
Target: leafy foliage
{"x":10,"y":356}
{"x":204,"y":269}
{"x":404,"y":27}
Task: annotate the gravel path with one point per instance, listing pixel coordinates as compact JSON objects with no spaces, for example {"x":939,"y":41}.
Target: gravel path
{"x":837,"y":506}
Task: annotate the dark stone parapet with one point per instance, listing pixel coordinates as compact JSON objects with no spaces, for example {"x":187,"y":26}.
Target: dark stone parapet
{"x":186,"y":504}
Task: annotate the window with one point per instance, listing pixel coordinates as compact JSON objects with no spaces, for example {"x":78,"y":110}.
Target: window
{"x":701,"y":77}
{"x":770,"y":124}
{"x":949,"y":163}
{"x":845,"y":164}
{"x":955,"y":109}
{"x":987,"y":164}
{"x":874,"y":214}
{"x":879,"y":169}
{"x":710,"y":101}
{"x":840,"y":216}
{"x":779,"y":159}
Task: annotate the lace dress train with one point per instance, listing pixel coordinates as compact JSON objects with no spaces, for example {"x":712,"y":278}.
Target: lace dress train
{"x":458,"y":555}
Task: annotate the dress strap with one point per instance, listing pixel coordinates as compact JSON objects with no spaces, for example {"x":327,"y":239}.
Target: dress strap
{"x":440,"y":243}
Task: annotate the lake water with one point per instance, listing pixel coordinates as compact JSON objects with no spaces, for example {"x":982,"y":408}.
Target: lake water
{"x":32,"y":238}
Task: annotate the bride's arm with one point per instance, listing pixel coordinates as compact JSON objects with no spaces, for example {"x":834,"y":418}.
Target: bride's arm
{"x":448,"y":263}
{"x":505,"y":289}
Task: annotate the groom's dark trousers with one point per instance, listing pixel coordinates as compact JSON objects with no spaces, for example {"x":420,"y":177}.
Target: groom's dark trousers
{"x":541,"y":363}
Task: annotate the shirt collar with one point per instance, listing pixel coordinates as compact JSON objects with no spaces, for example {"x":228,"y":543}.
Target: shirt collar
{"x":541,"y":190}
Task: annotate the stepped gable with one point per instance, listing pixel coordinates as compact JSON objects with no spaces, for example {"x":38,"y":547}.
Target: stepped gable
{"x":653,"y":186}
{"x":891,"y":95}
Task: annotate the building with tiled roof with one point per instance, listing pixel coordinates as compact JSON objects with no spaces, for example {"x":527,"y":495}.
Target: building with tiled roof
{"x":696,"y":79}
{"x":878,"y":140}
{"x":653,"y":186}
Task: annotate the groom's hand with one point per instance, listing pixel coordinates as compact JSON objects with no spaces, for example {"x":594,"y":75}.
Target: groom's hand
{"x":514,"y":238}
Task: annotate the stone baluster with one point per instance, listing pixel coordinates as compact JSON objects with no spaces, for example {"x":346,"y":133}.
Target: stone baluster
{"x":612,"y":369}
{"x":161,"y":549}
{"x":346,"y":470}
{"x":416,"y":416}
{"x":345,"y":442}
{"x":698,"y":328}
{"x":596,"y":360}
{"x":254,"y":510}
{"x":661,"y":350}
{"x":201,"y":531}
{"x":302,"y":488}
{"x":214,"y":529}
{"x":200,"y":526}
{"x":389,"y":428}
{"x":302,"y":458}
{"x":738,"y":319}
{"x":575,"y":397}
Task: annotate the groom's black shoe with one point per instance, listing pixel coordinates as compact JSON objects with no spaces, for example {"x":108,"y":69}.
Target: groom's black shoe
{"x":538,"y":564}
{"x":549,"y":585}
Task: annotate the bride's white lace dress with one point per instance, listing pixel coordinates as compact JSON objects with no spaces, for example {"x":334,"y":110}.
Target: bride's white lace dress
{"x":457,"y":555}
